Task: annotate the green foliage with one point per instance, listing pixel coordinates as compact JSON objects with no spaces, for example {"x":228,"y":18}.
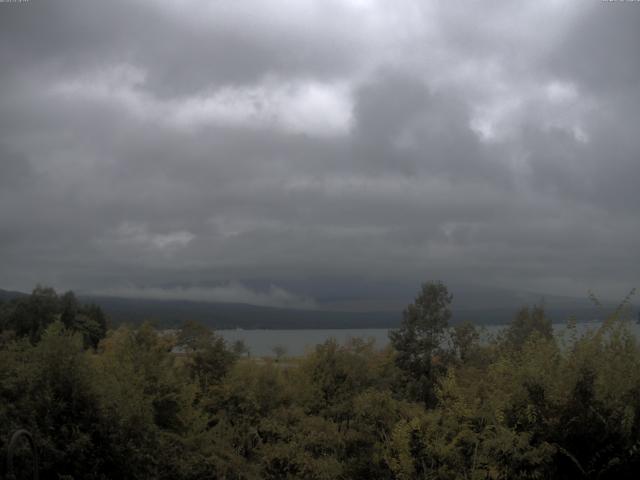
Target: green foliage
{"x":30,"y":316}
{"x":464,"y":339}
{"x":418,"y":342}
{"x":528,"y":322}
{"x":144,"y":404}
{"x":208,"y":358}
{"x":47,"y":389}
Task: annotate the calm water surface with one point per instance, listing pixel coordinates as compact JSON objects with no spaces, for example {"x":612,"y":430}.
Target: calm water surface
{"x":297,"y":342}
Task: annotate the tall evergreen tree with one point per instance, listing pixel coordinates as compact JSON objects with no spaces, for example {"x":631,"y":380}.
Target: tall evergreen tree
{"x":418,"y":341}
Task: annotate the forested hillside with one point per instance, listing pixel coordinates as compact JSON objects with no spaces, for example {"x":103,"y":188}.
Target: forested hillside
{"x":436,"y":404}
{"x":480,"y":306}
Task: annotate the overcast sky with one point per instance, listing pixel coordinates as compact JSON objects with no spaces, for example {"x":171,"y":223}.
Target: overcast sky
{"x":296,"y":152}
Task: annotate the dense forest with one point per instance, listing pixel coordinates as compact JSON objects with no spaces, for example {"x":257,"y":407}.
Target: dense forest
{"x":439,"y":403}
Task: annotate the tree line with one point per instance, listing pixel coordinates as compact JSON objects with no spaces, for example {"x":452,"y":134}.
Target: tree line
{"x":438,"y":403}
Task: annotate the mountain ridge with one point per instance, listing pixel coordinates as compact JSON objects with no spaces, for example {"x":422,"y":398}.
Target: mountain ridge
{"x":169,"y":313}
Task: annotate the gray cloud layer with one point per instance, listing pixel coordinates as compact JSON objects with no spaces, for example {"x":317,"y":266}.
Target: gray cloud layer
{"x":301,"y":150}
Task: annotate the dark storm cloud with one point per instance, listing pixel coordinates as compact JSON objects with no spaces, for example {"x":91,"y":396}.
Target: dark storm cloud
{"x":595,"y":49}
{"x":15,"y":168}
{"x":285,"y":152}
{"x":184,"y":47}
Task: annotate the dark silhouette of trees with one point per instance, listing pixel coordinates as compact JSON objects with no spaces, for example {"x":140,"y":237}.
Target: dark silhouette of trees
{"x":438,"y":402}
{"x":419,"y":341}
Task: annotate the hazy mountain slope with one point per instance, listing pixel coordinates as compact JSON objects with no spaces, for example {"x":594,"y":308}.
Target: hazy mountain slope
{"x":481,"y":306}
{"x":497,"y":310}
{"x":235,"y":315}
{"x":9,"y":295}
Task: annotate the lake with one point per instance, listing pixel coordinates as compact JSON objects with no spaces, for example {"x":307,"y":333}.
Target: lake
{"x":298,"y":342}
